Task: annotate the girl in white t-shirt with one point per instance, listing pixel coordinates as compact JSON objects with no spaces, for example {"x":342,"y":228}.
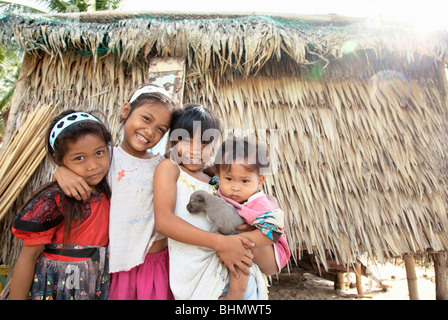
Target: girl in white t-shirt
{"x":138,"y":256}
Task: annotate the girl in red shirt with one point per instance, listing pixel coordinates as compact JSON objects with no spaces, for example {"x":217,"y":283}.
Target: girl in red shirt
{"x":64,"y":253}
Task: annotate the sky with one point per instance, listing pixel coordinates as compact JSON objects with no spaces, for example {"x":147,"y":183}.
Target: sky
{"x":425,"y":15}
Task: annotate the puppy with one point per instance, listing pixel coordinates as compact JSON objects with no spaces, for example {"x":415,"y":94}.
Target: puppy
{"x":222,"y":215}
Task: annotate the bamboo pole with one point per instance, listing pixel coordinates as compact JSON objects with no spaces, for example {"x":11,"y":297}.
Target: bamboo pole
{"x":19,"y":164}
{"x":440,"y":274}
{"x":411,"y":276}
{"x":340,"y":280}
{"x":24,"y":153}
{"x":358,"y":279}
{"x":15,"y":190}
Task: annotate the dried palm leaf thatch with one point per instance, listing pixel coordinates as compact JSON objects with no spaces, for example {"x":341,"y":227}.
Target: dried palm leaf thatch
{"x":23,"y":155}
{"x":79,"y":84}
{"x":238,"y":43}
{"x":357,"y":162}
{"x":359,"y":137}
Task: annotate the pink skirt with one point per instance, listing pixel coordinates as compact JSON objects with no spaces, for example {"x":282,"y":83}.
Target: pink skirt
{"x":147,"y":281}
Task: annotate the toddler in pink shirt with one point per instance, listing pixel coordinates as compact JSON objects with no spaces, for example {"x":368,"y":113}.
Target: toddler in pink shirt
{"x":239,"y":164}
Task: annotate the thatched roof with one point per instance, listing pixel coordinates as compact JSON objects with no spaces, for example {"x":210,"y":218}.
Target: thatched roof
{"x":359,"y":107}
{"x":243,"y":42}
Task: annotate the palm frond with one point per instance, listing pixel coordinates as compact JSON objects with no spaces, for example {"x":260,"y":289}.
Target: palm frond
{"x":359,"y":138}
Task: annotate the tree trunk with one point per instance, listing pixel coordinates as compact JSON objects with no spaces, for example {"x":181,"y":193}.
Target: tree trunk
{"x":440,"y":272}
{"x":411,"y":276}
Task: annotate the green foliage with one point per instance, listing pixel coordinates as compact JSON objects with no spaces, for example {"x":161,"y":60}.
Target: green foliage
{"x":11,"y":6}
{"x":11,"y":60}
{"x":81,"y":5}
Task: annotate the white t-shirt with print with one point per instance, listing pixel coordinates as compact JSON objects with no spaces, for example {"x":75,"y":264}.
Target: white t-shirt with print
{"x":131,"y":229}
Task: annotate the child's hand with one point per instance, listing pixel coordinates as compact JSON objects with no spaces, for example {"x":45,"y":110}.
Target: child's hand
{"x":233,"y":251}
{"x":72,"y":184}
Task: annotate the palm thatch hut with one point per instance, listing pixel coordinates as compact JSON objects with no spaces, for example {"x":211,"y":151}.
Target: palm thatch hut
{"x":355,"y":111}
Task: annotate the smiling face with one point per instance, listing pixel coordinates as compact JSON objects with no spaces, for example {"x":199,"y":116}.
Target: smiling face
{"x":88,"y":157}
{"x":193,"y":152}
{"x":239,"y":183}
{"x":144,"y":127}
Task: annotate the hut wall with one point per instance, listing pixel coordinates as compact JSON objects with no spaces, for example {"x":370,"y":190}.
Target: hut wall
{"x":357,"y":144}
{"x":358,"y":156}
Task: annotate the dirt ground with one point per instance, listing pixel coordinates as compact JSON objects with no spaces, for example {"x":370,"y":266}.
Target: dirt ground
{"x":305,"y":286}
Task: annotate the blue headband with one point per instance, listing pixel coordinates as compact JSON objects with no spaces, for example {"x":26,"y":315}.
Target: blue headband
{"x":67,"y":121}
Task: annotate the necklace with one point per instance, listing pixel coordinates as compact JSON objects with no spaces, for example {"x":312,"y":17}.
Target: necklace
{"x":192,"y":185}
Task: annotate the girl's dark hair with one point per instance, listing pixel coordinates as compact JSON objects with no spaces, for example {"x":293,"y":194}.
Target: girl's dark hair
{"x":150,"y":98}
{"x":186,"y":120}
{"x":72,"y":208}
{"x":250,"y":154}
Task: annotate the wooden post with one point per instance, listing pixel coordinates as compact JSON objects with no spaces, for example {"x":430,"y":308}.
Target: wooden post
{"x":169,"y":73}
{"x":358,"y":273}
{"x":340,"y":280}
{"x":411,"y":276}
{"x":440,"y":273}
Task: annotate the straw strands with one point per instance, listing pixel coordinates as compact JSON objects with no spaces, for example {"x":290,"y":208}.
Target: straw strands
{"x":352,"y":176}
{"x":359,"y":137}
{"x":238,"y":43}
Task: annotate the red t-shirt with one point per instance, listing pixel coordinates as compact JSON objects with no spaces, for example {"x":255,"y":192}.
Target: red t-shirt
{"x":42,"y":222}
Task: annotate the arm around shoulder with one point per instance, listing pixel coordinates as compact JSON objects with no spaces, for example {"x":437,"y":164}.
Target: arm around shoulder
{"x":72,"y":184}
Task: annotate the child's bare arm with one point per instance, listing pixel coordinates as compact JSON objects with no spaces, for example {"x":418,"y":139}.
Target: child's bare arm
{"x":231,"y":249}
{"x":255,"y":235}
{"x":72,"y":184}
{"x":264,"y":255}
{"x":24,"y":272}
